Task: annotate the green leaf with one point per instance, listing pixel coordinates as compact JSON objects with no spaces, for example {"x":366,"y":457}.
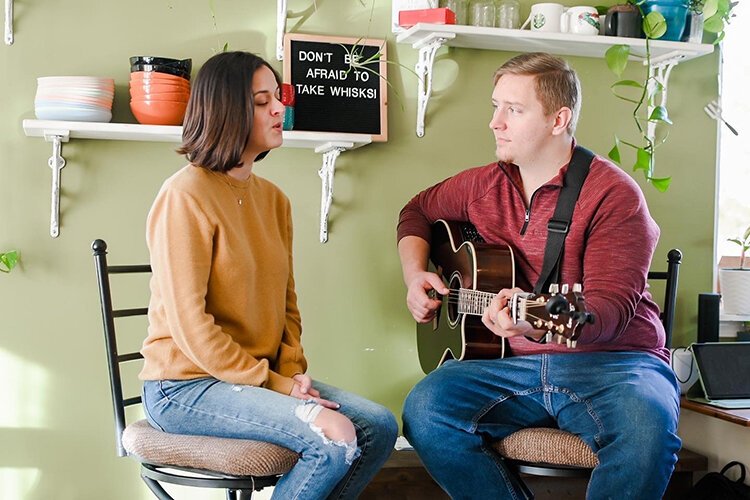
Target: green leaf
{"x":627,"y":83}
{"x":654,"y":25}
{"x":8,"y":261}
{"x":642,"y":160}
{"x":709,"y":8}
{"x":617,"y":58}
{"x":614,"y":153}
{"x":714,"y":24}
{"x":661,"y":184}
{"x":659,"y":114}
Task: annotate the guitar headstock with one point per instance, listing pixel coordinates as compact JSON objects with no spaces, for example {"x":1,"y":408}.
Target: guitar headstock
{"x":562,"y":312}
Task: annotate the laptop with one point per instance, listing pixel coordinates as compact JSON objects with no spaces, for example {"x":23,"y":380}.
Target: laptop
{"x":723,"y":374}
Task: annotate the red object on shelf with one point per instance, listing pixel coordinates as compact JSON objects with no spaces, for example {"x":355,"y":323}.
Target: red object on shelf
{"x":408,"y":18}
{"x":287,"y":94}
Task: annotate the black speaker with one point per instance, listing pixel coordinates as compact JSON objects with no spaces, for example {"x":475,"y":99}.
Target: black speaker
{"x":708,"y":317}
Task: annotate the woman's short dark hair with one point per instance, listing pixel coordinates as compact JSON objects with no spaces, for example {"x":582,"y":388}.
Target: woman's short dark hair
{"x":219,"y":116}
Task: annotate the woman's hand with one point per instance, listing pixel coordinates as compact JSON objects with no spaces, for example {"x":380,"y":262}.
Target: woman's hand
{"x":303,"y":389}
{"x":498,"y":320}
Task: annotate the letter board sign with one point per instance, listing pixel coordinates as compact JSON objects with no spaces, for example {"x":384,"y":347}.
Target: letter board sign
{"x":332,"y":93}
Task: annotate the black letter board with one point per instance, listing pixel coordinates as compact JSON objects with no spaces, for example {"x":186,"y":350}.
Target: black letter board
{"x":328,"y":98}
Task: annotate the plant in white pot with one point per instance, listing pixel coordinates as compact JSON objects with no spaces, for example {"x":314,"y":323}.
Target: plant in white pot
{"x":735,"y":282}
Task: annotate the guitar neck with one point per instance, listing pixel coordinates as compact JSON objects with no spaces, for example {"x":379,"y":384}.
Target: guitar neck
{"x":472,"y":302}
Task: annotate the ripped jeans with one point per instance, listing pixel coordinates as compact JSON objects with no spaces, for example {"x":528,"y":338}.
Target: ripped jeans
{"x":326,"y":469}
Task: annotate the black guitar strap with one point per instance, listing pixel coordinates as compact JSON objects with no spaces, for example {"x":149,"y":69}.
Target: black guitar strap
{"x":559,"y":224}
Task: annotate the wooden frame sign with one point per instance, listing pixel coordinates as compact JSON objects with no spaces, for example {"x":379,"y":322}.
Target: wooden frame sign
{"x":333,"y":93}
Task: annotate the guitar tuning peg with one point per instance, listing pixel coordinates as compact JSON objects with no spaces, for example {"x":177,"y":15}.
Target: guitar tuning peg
{"x":577,"y":287}
{"x":539,"y":324}
{"x":554,"y":288}
{"x":565,"y":288}
{"x":560,"y":328}
{"x":569,"y":342}
{"x":559,"y":339}
{"x":548,"y":337}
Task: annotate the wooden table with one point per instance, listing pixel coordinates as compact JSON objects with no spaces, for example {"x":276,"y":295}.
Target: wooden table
{"x":739,"y":417}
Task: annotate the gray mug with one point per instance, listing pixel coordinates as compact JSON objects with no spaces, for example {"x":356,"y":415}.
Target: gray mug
{"x":625,"y":21}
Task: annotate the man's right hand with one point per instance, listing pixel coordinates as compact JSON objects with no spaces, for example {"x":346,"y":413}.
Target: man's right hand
{"x":421,"y":306}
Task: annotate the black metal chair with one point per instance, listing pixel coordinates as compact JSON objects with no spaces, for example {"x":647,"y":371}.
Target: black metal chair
{"x":556,"y":453}
{"x":239,"y":466}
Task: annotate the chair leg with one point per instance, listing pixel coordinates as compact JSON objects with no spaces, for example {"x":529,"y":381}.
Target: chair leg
{"x":156,"y":488}
{"x":515,"y":478}
{"x":239,"y":495}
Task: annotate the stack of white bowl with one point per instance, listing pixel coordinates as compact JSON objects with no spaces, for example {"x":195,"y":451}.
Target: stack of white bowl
{"x":74,"y":98}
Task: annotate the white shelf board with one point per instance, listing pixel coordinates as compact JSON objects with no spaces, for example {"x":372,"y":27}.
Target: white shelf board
{"x":733,"y":317}
{"x":513,"y":40}
{"x":319,"y":141}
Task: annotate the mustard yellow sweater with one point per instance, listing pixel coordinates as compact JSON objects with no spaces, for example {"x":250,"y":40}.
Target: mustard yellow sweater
{"x":222,"y":293}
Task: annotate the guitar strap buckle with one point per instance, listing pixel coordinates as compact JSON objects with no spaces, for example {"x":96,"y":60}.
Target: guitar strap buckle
{"x":558,"y":226}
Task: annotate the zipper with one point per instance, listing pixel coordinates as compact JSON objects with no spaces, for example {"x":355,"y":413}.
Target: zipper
{"x":527,"y":215}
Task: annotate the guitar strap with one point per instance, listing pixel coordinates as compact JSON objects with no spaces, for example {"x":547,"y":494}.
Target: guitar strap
{"x":559,"y":224}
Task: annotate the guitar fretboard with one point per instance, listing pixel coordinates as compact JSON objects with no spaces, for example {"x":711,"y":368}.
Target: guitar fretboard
{"x":473,"y":302}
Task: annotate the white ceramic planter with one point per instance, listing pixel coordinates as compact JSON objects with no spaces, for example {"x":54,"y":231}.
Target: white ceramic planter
{"x":735,"y":290}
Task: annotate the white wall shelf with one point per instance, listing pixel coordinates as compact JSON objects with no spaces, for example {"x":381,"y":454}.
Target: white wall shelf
{"x":428,"y":38}
{"x":329,"y":144}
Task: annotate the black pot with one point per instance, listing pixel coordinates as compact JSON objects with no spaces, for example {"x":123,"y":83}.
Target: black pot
{"x":161,"y":68}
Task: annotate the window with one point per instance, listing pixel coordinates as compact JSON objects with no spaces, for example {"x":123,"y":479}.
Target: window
{"x":734,"y":151}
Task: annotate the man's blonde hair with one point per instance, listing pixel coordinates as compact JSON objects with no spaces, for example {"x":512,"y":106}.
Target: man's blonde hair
{"x":556,"y":83}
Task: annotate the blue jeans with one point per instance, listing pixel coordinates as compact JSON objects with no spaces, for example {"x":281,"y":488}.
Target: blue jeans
{"x":210,"y":407}
{"x":623,"y":404}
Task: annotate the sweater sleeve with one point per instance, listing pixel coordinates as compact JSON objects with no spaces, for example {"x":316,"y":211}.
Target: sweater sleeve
{"x":291,"y":360}
{"x":180,"y":240}
{"x":447,"y":200}
{"x":619,"y":247}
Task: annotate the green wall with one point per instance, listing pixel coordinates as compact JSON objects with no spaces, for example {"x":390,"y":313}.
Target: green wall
{"x":55,"y":418}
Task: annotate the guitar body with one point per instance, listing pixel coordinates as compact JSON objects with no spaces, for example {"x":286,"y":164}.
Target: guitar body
{"x":462,"y":259}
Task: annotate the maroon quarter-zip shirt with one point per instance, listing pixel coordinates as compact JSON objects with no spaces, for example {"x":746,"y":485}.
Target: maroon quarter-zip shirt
{"x":608,"y":249}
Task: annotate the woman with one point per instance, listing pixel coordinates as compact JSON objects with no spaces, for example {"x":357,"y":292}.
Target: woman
{"x":223,"y":356}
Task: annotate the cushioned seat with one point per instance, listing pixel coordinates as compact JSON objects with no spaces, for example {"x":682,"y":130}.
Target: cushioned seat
{"x":548,"y":446}
{"x":233,"y":457}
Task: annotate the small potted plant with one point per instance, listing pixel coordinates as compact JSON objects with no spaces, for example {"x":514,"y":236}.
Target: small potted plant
{"x":8,"y":261}
{"x":735,"y":282}
{"x":707,"y":15}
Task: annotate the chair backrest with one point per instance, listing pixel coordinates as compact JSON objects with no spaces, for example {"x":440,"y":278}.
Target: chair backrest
{"x":671,"y":275}
{"x":114,"y":357}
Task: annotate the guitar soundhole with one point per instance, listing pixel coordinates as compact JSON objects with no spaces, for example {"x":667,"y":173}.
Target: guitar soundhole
{"x":454,"y":286}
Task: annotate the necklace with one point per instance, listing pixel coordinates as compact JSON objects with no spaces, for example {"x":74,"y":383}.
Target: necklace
{"x":240,"y":197}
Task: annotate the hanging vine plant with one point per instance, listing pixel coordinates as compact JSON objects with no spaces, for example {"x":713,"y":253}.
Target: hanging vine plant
{"x":647,"y":92}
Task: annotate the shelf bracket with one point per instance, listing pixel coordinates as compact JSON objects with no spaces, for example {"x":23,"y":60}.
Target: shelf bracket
{"x":8,"y":22}
{"x":331,"y":152}
{"x":56,"y":162}
{"x":280,"y":28}
{"x":427,"y":49}
{"x":660,"y":70}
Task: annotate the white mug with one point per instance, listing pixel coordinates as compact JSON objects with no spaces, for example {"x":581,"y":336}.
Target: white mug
{"x":545,"y":17}
{"x":583,"y":20}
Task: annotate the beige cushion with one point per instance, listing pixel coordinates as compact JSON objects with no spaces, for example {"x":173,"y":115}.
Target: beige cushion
{"x":235,"y":457}
{"x":546,"y":445}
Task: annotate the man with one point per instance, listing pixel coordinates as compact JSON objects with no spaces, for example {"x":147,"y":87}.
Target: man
{"x":615,"y":389}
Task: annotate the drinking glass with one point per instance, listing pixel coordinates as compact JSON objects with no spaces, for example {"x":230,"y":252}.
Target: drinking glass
{"x":482,"y":13}
{"x":459,"y":7}
{"x":508,"y":14}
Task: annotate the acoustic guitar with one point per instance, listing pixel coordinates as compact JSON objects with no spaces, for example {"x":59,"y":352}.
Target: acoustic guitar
{"x":474,"y":271}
